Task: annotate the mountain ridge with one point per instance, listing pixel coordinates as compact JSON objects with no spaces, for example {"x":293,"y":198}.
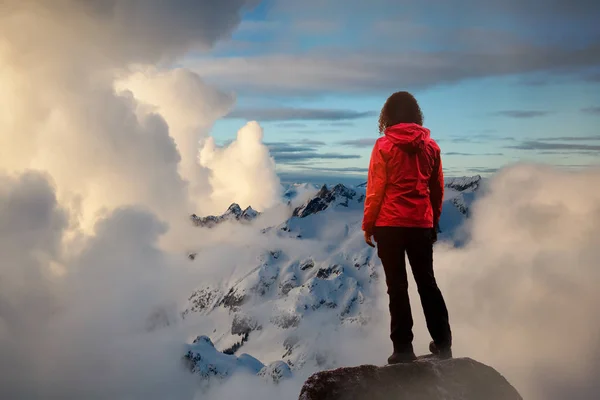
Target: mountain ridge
{"x":272,"y":299}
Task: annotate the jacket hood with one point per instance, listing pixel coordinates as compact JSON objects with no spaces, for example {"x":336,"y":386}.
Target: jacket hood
{"x":409,"y":137}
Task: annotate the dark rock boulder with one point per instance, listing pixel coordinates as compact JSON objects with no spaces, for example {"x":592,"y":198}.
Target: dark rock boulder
{"x":426,"y":379}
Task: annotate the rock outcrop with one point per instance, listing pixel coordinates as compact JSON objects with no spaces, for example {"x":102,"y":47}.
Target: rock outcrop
{"x":340,"y":195}
{"x":233,"y":213}
{"x":425,"y":379}
{"x":465,"y":183}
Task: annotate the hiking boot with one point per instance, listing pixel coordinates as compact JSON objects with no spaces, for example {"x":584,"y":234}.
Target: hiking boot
{"x":441,"y":352}
{"x":404,"y":357}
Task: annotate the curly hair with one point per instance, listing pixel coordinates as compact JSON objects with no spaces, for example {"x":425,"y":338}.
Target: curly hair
{"x":400,"y":107}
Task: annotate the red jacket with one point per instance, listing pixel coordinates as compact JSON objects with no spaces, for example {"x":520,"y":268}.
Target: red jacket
{"x":405,"y":186}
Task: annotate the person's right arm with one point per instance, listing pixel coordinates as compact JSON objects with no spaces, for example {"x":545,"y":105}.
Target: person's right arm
{"x":376,"y":183}
{"x":436,"y":189}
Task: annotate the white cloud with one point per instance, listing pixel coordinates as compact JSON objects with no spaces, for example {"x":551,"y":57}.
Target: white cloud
{"x":522,"y":295}
{"x":121,"y":166}
{"x":60,"y":113}
{"x":54,"y":329}
{"x":107,"y":309}
{"x":31,"y":230}
{"x":242,"y":172}
{"x":374,"y":71}
{"x":190,"y":107}
{"x":140,"y":31}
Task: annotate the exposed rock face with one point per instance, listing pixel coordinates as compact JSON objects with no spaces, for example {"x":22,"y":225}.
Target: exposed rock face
{"x":465,"y":183}
{"x":202,"y":299}
{"x":340,"y":195}
{"x":459,"y":378}
{"x":233,"y":213}
{"x":244,"y":324}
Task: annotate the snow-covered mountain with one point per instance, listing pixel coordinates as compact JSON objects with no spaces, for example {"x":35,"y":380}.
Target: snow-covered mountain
{"x":203,"y":359}
{"x":461,"y":192}
{"x":324,"y":271}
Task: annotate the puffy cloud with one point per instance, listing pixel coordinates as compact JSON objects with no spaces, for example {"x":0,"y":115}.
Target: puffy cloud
{"x":31,"y":232}
{"x":99,"y":152}
{"x":106,"y":301}
{"x":116,"y":141}
{"x":242,"y":172}
{"x":125,"y":31}
{"x":83,"y":100}
{"x":528,"y":275}
{"x":116,"y":138}
{"x":93,"y":306}
{"x":189,"y":106}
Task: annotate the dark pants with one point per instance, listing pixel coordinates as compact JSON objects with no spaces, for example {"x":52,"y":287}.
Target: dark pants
{"x":392,"y":244}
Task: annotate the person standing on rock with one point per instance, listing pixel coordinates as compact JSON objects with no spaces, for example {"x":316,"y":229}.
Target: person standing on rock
{"x":405,"y":188}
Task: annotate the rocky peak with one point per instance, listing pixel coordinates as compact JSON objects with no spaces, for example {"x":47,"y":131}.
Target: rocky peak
{"x":465,"y":183}
{"x":234,"y":213}
{"x":234,"y":209}
{"x":249,"y":214}
{"x":339,"y":195}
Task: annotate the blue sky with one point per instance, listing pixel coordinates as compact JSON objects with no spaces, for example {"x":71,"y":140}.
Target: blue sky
{"x":500,"y":82}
